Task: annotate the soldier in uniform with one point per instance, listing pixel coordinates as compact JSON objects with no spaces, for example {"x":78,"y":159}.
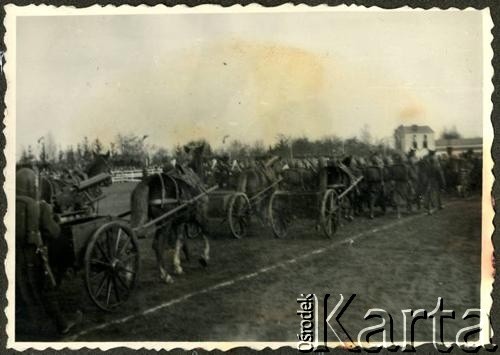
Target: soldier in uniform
{"x":35,"y":284}
{"x":376,"y":190}
{"x":223,"y":171}
{"x":435,"y":182}
{"x":400,"y":175}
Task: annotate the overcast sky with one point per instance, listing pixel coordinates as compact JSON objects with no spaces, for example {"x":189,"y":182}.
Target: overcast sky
{"x":251,"y":76}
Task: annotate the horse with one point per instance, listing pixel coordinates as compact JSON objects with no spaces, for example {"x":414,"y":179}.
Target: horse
{"x":320,"y":176}
{"x":297,"y":177}
{"x":59,"y":191}
{"x":255,"y":178}
{"x":159,"y":193}
{"x":222,"y":173}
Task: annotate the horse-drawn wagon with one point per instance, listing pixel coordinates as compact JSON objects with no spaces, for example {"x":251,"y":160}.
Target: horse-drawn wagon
{"x":85,"y":242}
{"x":106,"y":247}
{"x":243,"y":194}
{"x":323,"y":197}
{"x":237,"y":207}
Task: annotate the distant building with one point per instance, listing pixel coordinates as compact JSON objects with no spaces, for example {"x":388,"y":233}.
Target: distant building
{"x":459,"y":146}
{"x":414,"y":137}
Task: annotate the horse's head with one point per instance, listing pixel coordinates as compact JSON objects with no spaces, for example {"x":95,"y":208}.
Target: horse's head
{"x":100,"y":164}
{"x":194,"y":149}
{"x":195,"y":156}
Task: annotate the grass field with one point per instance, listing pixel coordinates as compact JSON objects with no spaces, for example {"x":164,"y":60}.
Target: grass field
{"x":249,"y":290}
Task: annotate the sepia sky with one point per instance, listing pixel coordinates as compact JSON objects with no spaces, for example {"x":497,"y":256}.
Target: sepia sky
{"x":250,"y":76}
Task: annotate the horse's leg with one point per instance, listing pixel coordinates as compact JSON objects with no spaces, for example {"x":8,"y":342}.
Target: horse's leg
{"x":350,"y":211}
{"x":372,"y":197}
{"x":438,"y":197}
{"x":399,"y":198}
{"x":353,"y":199}
{"x":185,"y":248}
{"x":205,"y":256}
{"x":397,"y":201}
{"x":159,"y":243}
{"x":261,"y":210}
{"x":179,"y":242}
{"x":383,"y":199}
{"x":202,"y":221}
{"x":428,"y":199}
{"x":408,"y":196}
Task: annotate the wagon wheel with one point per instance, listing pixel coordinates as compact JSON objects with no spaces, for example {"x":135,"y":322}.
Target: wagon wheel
{"x":238,"y":214}
{"x":111,"y":265}
{"x":278,"y":215}
{"x":330,"y":213}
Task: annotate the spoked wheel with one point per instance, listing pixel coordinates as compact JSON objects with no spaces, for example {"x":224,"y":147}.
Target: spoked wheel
{"x":279,"y":214}
{"x":111,"y":265}
{"x":238,"y":214}
{"x":330,"y":213}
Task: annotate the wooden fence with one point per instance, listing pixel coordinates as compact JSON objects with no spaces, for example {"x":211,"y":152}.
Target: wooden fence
{"x":133,"y":175}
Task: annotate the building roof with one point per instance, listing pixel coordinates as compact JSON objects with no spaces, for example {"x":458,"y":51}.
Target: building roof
{"x":459,"y":142}
{"x":414,"y":129}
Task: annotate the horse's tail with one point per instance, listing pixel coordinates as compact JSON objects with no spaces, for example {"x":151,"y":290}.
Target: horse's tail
{"x":139,"y":204}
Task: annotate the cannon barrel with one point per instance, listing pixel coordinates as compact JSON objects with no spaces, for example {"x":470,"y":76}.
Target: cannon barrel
{"x":93,"y":181}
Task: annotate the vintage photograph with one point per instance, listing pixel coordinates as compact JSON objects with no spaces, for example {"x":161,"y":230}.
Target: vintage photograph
{"x":311,"y":177}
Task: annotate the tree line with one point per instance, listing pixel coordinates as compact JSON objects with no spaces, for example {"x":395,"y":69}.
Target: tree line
{"x":130,"y":150}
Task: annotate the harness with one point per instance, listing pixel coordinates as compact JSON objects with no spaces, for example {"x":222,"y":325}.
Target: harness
{"x":164,"y":200}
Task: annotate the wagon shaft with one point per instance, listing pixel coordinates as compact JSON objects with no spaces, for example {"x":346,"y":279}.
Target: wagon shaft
{"x":260,"y":193}
{"x":353,"y":185}
{"x":176,"y":209}
{"x":94,"y":181}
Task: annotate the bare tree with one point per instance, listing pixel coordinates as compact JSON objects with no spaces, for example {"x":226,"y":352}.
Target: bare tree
{"x":50,"y":147}
{"x":365,"y":134}
{"x":450,"y":133}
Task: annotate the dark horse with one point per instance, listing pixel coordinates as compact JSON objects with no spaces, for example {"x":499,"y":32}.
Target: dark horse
{"x":300,"y":177}
{"x":159,"y":193}
{"x":256,"y":178}
{"x":59,"y":191}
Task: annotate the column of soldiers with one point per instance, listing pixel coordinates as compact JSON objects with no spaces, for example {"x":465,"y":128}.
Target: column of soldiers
{"x":402,"y":181}
{"x":389,"y":181}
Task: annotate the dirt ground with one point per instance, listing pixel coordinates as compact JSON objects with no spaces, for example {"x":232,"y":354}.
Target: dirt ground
{"x":249,"y":290}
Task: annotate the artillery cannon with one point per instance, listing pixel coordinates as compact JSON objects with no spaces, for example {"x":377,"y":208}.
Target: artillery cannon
{"x":72,"y":199}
